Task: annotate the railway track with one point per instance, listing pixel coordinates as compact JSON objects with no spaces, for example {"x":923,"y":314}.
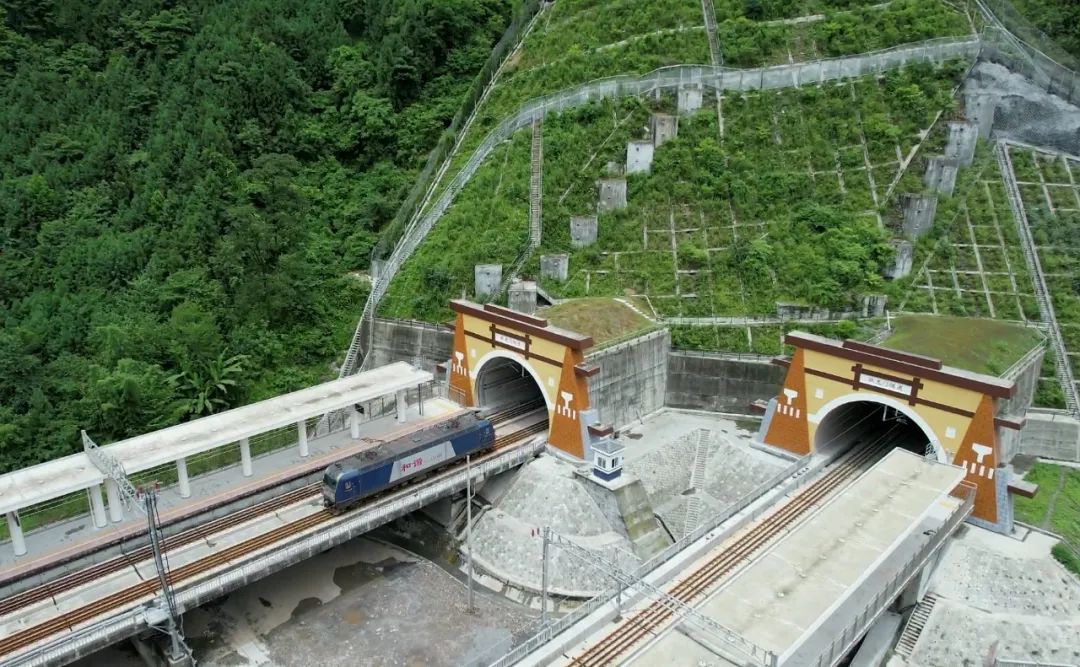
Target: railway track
{"x":646,"y":622}
{"x":203,"y":531}
{"x":22,"y":639}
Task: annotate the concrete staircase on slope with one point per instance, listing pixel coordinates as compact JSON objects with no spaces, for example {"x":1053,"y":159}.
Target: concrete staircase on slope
{"x":915,"y":624}
{"x":697,"y":483}
{"x":536,"y":196}
{"x":709,"y":12}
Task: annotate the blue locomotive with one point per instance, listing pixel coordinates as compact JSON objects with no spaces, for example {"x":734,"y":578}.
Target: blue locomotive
{"x":393,"y":462}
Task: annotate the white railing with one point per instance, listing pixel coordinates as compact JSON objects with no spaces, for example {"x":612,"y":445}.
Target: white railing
{"x":511,"y":654}
{"x":1006,"y":662}
{"x":129,"y":622}
{"x":1042,"y":294}
{"x":851,"y":634}
{"x":1012,"y":372}
{"x":667,"y":78}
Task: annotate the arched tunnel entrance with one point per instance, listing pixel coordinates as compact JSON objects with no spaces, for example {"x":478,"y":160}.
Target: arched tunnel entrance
{"x":872,"y":423}
{"x":506,"y":390}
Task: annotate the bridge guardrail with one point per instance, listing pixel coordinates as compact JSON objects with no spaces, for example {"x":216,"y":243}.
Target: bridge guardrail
{"x":512,"y":654}
{"x":86,"y":640}
{"x":853,"y":631}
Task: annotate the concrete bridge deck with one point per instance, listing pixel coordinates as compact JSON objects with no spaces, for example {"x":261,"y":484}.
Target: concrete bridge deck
{"x":116,"y":623}
{"x":796,"y":599}
{"x":52,"y":546}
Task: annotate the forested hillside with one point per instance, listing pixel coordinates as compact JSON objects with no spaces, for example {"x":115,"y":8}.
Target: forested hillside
{"x":190,"y":191}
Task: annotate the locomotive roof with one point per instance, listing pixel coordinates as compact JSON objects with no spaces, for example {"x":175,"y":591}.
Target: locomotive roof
{"x":382,"y":450}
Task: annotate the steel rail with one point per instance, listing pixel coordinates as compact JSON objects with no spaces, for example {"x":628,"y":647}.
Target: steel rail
{"x":644,"y":623}
{"x":41,"y":631}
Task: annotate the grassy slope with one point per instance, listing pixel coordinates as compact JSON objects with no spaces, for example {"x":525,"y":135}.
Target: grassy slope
{"x":982,"y":346}
{"x":1064,"y":483}
{"x":675,"y":241}
{"x":603,"y":319}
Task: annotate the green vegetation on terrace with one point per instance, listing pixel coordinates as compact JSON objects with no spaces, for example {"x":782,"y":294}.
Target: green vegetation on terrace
{"x":606,"y":320}
{"x":1050,"y":194}
{"x":982,"y":346}
{"x":970,"y":263}
{"x":579,"y":41}
{"x":1056,"y":507}
{"x":783,"y":207}
{"x":191,"y":188}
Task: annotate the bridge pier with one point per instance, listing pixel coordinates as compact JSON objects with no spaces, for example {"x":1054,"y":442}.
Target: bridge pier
{"x":97,"y":507}
{"x":245,"y":456}
{"x":18,"y":542}
{"x":112,"y":493}
{"x":301,"y":437}
{"x":182,"y":478}
{"x":400,"y":405}
{"x":354,"y":424}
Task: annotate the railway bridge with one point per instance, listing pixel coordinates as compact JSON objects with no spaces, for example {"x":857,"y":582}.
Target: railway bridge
{"x":840,"y":417}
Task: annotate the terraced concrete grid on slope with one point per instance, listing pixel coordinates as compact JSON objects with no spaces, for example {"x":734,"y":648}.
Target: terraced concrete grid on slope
{"x":666,"y":79}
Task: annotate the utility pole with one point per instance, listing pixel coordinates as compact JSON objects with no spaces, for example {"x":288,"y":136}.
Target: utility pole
{"x":544,"y":579}
{"x":468,"y":526}
{"x":177,"y":649}
{"x":145,"y":501}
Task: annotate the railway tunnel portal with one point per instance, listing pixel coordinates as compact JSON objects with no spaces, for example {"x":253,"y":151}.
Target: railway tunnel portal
{"x":838,"y":394}
{"x":502,"y":357}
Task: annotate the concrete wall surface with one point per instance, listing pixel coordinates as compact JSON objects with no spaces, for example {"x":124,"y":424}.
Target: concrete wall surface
{"x":698,"y":381}
{"x":632,"y":378}
{"x":422,"y":345}
{"x":1051,"y":435}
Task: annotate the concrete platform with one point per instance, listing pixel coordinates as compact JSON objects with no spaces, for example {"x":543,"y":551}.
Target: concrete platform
{"x":67,"y":539}
{"x":785,"y":595}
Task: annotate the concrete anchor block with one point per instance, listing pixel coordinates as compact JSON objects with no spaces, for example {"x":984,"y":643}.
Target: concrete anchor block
{"x":487,"y":278}
{"x":919,"y":213}
{"x":583,"y":229}
{"x":905,"y":259}
{"x":522,"y":296}
{"x":612,"y":194}
{"x":555,"y":267}
{"x":690,"y":98}
{"x":961,"y":142}
{"x":941,"y":174}
{"x":873,"y":305}
{"x":980,"y":109}
{"x":639,"y":157}
{"x":664,"y":128}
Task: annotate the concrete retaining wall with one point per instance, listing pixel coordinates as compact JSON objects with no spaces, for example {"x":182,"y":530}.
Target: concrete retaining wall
{"x":632,"y":380}
{"x":699,"y":381}
{"x":1026,"y":377}
{"x":1054,"y":436}
{"x":422,"y":345}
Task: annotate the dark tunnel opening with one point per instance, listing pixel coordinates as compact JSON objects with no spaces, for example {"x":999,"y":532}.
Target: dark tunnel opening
{"x":864,"y":423}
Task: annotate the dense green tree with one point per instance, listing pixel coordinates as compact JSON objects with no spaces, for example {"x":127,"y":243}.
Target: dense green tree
{"x":190,"y":191}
